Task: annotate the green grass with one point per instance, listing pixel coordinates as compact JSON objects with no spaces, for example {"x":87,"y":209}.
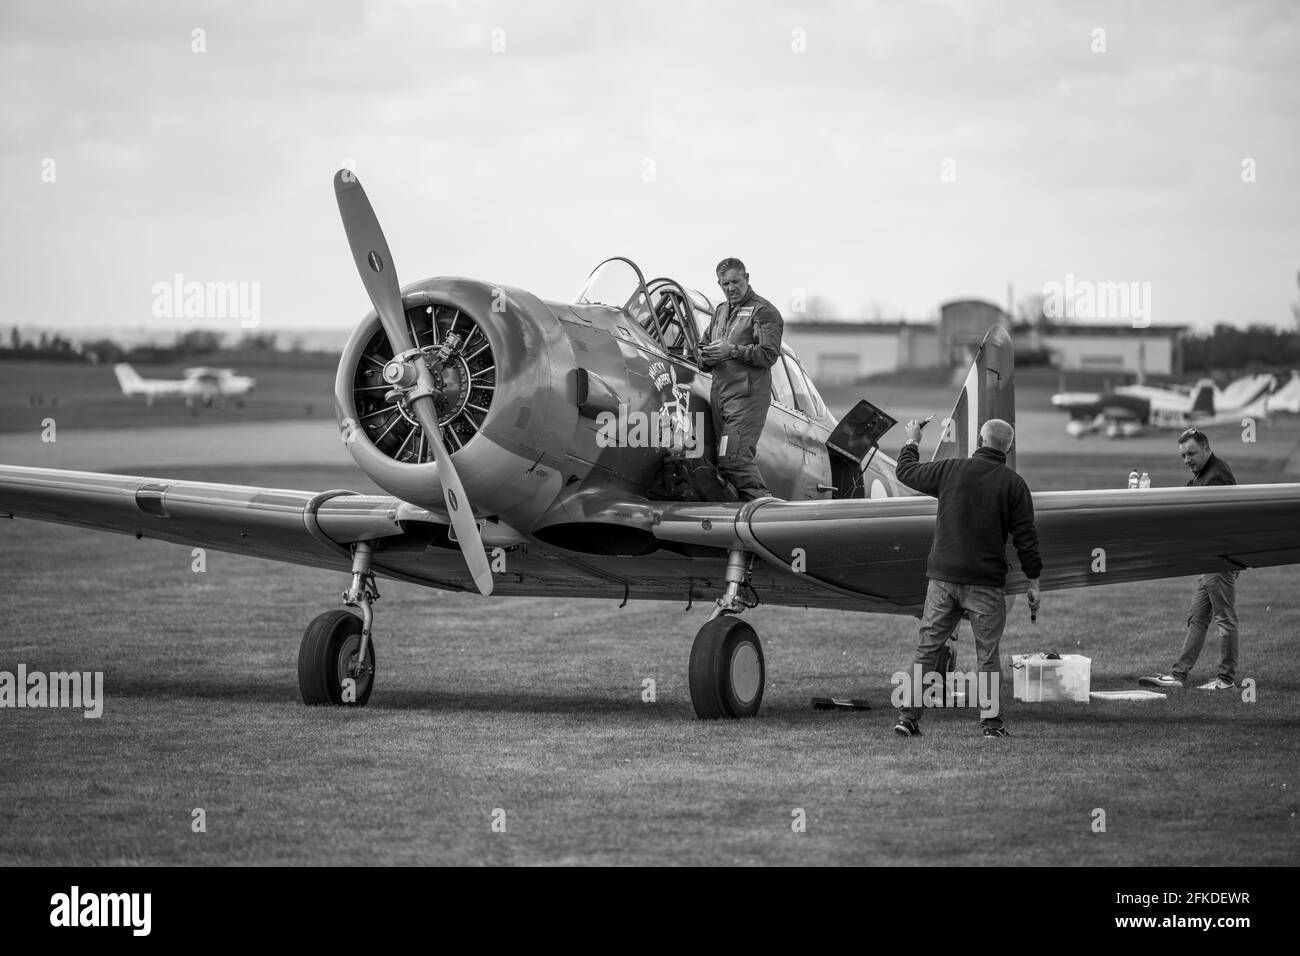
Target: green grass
{"x":534,"y":706}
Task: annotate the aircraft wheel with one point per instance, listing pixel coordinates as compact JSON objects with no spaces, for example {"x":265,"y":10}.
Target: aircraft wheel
{"x":329,"y":645}
{"x":726,"y":670}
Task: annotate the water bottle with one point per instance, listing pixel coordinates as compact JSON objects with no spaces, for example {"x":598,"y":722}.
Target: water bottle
{"x":1144,"y":481}
{"x":1133,"y":478}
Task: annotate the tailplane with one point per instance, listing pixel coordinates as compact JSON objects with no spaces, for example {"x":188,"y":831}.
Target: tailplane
{"x":988,"y":392}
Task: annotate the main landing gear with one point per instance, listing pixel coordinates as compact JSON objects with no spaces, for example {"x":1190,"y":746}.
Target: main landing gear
{"x":726,"y":671}
{"x":336,"y":660}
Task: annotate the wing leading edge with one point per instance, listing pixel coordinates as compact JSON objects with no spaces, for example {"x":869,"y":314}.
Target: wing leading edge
{"x":852,"y":554}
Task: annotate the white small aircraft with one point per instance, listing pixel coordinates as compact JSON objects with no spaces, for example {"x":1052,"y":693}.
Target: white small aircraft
{"x":207,"y":385}
{"x":1125,"y":411}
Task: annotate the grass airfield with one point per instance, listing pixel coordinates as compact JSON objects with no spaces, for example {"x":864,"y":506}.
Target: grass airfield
{"x":534,"y":707}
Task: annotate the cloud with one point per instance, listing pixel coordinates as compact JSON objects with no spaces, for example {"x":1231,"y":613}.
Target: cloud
{"x":528,"y":163}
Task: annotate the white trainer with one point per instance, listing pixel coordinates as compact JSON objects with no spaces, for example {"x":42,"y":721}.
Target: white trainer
{"x":1218,"y":684}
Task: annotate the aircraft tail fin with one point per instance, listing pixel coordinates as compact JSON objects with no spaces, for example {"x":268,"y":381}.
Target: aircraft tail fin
{"x":989,"y":391}
{"x":127,"y":378}
{"x":1286,"y":398}
{"x":1203,"y":398}
{"x":1265,"y":385}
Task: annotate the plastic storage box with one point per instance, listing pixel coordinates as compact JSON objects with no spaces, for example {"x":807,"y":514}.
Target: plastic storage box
{"x":1036,"y":678}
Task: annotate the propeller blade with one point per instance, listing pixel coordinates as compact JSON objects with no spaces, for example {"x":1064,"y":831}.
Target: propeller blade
{"x":378,"y":274}
{"x":374,"y":261}
{"x":453,"y":492}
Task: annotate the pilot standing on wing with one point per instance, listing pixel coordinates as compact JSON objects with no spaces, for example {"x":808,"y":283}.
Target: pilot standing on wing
{"x":742,"y":344}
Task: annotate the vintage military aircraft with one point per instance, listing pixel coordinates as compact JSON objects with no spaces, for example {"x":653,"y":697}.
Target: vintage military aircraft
{"x":211,"y":386}
{"x":516,"y":440}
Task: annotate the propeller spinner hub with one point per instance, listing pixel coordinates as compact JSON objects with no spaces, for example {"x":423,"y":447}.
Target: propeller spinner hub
{"x":400,"y":373}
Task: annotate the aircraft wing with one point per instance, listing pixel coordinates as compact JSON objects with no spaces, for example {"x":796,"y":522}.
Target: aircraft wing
{"x":853,"y":554}
{"x":1072,"y":400}
{"x":300,"y":527}
{"x":410,"y":543}
{"x":877,"y":548}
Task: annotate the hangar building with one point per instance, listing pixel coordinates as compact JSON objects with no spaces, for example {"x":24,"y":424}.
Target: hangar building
{"x":840,"y":352}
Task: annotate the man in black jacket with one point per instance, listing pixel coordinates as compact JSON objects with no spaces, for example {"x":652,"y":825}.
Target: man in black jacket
{"x":741,"y":346}
{"x":981,"y":501}
{"x":1215,"y":598}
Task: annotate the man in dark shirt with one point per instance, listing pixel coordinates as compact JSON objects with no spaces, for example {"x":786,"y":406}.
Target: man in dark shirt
{"x":981,"y":501}
{"x":741,"y":346}
{"x":1215,"y":598}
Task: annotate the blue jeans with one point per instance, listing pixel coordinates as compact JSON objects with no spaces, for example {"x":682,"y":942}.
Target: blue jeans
{"x":1213,"y":602}
{"x":944,"y":604}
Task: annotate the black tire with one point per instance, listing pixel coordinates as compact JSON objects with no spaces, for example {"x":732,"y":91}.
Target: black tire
{"x":329,"y":644}
{"x":727,"y":673}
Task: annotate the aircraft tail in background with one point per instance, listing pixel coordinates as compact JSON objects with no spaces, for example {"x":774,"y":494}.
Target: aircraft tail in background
{"x":1286,"y":398}
{"x":131,"y":382}
{"x":1203,"y":398}
{"x":988,"y":392}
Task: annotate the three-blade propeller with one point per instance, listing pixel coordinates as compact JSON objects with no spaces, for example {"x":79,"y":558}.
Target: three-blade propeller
{"x":375,"y":264}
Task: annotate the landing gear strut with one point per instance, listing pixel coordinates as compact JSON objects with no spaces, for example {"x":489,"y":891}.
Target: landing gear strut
{"x":336,"y":659}
{"x":726,"y":671}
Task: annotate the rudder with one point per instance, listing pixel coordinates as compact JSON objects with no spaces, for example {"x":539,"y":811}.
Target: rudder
{"x":989,"y":391}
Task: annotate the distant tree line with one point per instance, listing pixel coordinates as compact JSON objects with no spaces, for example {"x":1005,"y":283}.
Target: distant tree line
{"x":195,"y":344}
{"x":1228,"y":347}
{"x":54,"y":347}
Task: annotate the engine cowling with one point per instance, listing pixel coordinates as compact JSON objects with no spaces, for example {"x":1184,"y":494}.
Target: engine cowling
{"x":503,"y":408}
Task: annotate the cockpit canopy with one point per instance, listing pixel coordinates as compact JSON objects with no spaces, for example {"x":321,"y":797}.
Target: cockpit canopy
{"x":676,"y":317}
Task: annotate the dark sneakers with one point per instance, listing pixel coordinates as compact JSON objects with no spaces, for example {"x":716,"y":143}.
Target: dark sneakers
{"x":910,"y":728}
{"x":907,"y":728}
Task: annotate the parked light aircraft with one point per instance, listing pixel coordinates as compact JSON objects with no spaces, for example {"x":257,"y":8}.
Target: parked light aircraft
{"x":479,"y":409}
{"x":202,"y":384}
{"x":1125,"y":411}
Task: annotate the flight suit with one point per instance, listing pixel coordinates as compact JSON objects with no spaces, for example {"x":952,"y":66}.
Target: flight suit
{"x":742,"y":386}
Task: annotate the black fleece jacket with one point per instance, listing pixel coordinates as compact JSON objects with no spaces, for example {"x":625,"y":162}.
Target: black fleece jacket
{"x":1215,"y":471}
{"x":981,"y":501}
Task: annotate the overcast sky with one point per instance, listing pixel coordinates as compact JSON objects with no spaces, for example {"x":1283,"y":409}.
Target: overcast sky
{"x":523,"y":142}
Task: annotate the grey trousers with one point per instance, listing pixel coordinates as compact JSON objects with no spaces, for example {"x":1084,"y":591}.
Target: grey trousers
{"x":1214,"y":602}
{"x":944,"y":604}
